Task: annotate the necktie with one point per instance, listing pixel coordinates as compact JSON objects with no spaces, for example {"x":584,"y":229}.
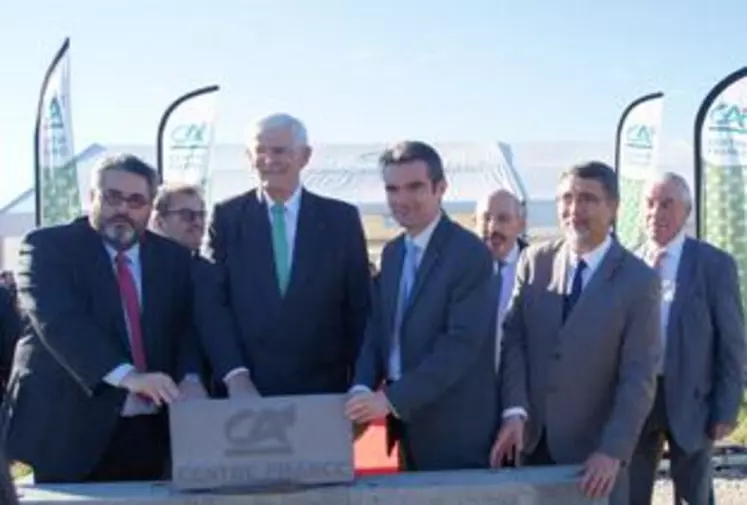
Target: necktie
{"x":128,"y":292}
{"x":498,"y":278}
{"x":407,"y":280}
{"x":657,"y":258}
{"x":280,"y":246}
{"x":577,"y":287}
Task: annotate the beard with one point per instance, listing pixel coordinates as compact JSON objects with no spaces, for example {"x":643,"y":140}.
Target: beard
{"x":119,"y":231}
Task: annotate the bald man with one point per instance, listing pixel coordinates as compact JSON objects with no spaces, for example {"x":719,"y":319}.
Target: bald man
{"x":501,"y":221}
{"x":699,"y":386}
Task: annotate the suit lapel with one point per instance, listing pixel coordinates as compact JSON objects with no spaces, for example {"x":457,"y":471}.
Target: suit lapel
{"x":104,"y":275}
{"x":430,"y":258}
{"x":151,"y":284}
{"x":597,"y":285}
{"x":683,"y":284}
{"x":307,"y":246}
{"x":390,"y":280}
{"x":554,"y":313}
{"x":257,"y":242}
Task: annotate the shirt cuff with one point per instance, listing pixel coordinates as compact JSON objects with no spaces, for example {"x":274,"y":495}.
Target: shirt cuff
{"x":515,"y":411}
{"x":115,"y":377}
{"x":233,"y":373}
{"x":359,"y":388}
{"x":192,"y":377}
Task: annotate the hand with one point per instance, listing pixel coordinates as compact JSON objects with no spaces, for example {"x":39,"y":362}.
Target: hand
{"x":240,"y":386}
{"x":509,"y":443}
{"x":192,"y":389}
{"x":366,"y":407}
{"x":600,"y":473}
{"x":156,"y":387}
{"x":720,"y":431}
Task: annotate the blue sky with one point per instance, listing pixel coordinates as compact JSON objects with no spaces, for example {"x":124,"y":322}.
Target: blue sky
{"x":365,"y":71}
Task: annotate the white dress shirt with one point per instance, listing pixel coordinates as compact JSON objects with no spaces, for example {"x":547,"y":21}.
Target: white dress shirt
{"x":508,"y":275}
{"x":592,"y":259}
{"x":668,"y":266}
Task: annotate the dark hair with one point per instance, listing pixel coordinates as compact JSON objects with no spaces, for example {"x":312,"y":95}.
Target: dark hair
{"x":596,"y":171}
{"x":414,"y":150}
{"x":126,"y":163}
{"x":167,"y":192}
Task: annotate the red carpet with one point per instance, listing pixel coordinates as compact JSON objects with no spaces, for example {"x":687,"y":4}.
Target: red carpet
{"x":370,"y":452}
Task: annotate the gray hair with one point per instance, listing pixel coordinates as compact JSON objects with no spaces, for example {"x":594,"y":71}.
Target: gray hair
{"x":124,"y":163}
{"x":281,"y":121}
{"x":679,"y":183}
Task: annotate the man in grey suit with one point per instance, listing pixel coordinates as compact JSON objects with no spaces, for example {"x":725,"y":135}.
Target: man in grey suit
{"x":581,"y":342}
{"x":428,"y":338}
{"x":699,"y":386}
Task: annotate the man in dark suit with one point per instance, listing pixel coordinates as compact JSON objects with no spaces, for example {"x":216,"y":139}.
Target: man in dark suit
{"x":700,"y":381}
{"x":291,"y":296}
{"x":580,"y":343}
{"x":429,"y":338}
{"x":109,"y":339}
{"x":500,"y":221}
{"x":10,"y":329}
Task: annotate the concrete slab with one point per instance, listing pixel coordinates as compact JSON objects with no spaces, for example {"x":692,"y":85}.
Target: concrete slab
{"x":525,"y":486}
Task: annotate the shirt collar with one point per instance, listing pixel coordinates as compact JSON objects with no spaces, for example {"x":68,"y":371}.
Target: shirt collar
{"x":594,"y":257}
{"x":421,"y":239}
{"x":132,"y":254}
{"x":673,"y":248}
{"x":291,"y":205}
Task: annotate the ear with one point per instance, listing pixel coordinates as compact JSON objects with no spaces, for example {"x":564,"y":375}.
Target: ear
{"x":305,"y":155}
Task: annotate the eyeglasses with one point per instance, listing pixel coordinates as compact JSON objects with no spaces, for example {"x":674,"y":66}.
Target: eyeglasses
{"x":116,"y":198}
{"x":187,"y":215}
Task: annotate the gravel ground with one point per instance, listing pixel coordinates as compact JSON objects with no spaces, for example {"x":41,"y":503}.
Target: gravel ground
{"x":729,"y":491}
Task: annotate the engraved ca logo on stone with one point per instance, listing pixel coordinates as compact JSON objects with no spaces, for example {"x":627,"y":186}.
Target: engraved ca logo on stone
{"x":252,"y":432}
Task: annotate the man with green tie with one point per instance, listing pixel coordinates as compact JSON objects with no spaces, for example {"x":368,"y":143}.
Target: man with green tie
{"x":288,"y":307}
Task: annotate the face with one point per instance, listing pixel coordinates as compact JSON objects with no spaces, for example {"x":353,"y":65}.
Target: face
{"x":120,"y":208}
{"x":499,"y":223}
{"x":585,"y":212}
{"x":278,"y":161}
{"x":665,"y":212}
{"x":413,"y":199}
{"x":184,"y":220}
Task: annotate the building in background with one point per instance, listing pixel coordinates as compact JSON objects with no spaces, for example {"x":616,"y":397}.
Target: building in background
{"x":350,"y":172}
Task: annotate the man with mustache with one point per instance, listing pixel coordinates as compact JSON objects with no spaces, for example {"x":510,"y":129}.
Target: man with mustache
{"x":429,"y":355}
{"x":110,"y":337}
{"x":580,"y":343}
{"x":501,"y":221}
{"x":291,"y":294}
{"x":700,"y":373}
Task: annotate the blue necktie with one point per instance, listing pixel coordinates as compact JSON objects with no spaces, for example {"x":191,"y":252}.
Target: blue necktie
{"x":407,"y":280}
{"x":576,"y":287}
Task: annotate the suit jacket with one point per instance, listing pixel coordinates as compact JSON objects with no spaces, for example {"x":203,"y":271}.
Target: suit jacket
{"x":589,"y":383}
{"x":306,"y":341}
{"x":62,"y":412}
{"x":10,"y":328}
{"x":8,"y":495}
{"x":445,"y":397}
{"x":705,"y":345}
{"x":495,"y":293}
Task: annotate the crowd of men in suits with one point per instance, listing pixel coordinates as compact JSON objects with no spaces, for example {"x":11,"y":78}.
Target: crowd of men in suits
{"x":477,"y":348}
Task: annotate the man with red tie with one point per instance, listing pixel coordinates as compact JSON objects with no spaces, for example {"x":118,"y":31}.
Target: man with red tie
{"x":110,"y":341}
